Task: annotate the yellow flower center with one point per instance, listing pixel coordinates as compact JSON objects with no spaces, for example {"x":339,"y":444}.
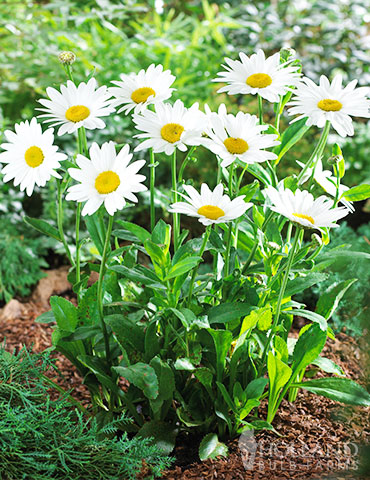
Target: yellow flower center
{"x":107,"y":182}
{"x":211,"y":211}
{"x":140,"y":95}
{"x":305,"y":217}
{"x":171,"y":132}
{"x":236,"y":145}
{"x":77,"y":113}
{"x":329,"y":105}
{"x":259,"y":80}
{"x":34,"y":157}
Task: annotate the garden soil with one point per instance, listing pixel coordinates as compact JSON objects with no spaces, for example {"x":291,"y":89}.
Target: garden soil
{"x":314,"y":438}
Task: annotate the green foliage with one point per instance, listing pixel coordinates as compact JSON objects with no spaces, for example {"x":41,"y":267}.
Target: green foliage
{"x":21,"y":261}
{"x":352,"y":312}
{"x":42,"y":439}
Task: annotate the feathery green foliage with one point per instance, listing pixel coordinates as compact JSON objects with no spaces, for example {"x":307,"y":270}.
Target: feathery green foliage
{"x":42,"y":439}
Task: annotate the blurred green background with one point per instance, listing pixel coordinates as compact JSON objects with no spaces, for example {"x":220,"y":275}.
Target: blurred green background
{"x":189,"y":37}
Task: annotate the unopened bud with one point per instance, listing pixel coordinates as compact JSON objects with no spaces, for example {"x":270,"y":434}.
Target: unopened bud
{"x":316,"y":240}
{"x":67,"y":58}
{"x":334,"y":159}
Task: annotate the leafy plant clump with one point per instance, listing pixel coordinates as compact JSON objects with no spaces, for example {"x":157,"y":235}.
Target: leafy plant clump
{"x":42,"y":438}
{"x":353,"y":310}
{"x":21,"y":261}
{"x":200,"y":348}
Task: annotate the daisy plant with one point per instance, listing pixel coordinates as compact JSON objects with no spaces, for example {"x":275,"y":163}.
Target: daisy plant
{"x":199,"y":326}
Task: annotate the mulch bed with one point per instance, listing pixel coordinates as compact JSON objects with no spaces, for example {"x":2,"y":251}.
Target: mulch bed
{"x":318,"y":437}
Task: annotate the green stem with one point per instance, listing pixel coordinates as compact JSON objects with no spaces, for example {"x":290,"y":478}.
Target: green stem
{"x":260,"y":109}
{"x":250,"y":258}
{"x":336,"y":199}
{"x":185,"y":162}
{"x":100,"y":288}
{"x":281,"y":294}
{"x":316,"y":154}
{"x":78,"y":246}
{"x":230,"y":231}
{"x":152,"y":192}
{"x":174,"y":200}
{"x":60,"y":223}
{"x":68,"y":70}
{"x":195,"y":270}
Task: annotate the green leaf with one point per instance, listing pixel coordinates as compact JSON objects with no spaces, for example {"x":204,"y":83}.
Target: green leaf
{"x":336,"y":151}
{"x":156,"y":253}
{"x":96,"y":229}
{"x":249,"y":190}
{"x":184,"y":364}
{"x":65,"y":313}
{"x":256,"y":387}
{"x":152,"y":346}
{"x":140,"y":233}
{"x":341,"y":390}
{"x":165,"y":377}
{"x":356,"y":194}
{"x":143,"y":376}
{"x":264,"y":318}
{"x":329,"y":301}
{"x":226,"y":312}
{"x":82,"y":333}
{"x":226,"y":396}
{"x":279,"y":374}
{"x":129,"y":333}
{"x":222,"y":340}
{"x":163,"y":435}
{"x":46,"y":317}
{"x":162,"y":234}
{"x":281,"y":347}
{"x":328,"y":366}
{"x":183,"y":266}
{"x":96,"y":365}
{"x":43,"y":227}
{"x":313,"y":316}
{"x":210,"y":447}
{"x":308,"y":347}
{"x":302,"y":283}
{"x":139,"y":274}
{"x":290,"y":137}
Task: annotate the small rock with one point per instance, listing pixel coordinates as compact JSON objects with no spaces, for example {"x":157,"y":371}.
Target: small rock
{"x":55,"y":283}
{"x":12,"y":310}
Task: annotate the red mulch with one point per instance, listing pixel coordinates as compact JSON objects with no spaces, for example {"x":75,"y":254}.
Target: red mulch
{"x":318,"y":436}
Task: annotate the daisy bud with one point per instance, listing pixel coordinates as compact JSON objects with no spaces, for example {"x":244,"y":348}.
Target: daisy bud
{"x":316,"y":240}
{"x":334,"y":159}
{"x":67,"y":58}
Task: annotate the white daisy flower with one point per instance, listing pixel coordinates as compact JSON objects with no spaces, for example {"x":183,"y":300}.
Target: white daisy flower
{"x":74,"y":107}
{"x":301,"y":207}
{"x":210,"y":207}
{"x":327,"y":181}
{"x":31,"y":157}
{"x":256,"y":74}
{"x":330,"y":101}
{"x":231,"y":137}
{"x":170,"y":127}
{"x":137,"y":91}
{"x":106,"y":178}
